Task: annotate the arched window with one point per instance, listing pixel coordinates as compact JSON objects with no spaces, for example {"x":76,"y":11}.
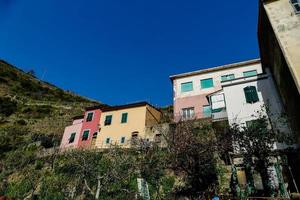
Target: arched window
{"x":251,"y":94}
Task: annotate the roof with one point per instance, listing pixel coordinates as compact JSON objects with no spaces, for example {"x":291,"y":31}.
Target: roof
{"x":78,"y":117}
{"x":126,"y":106}
{"x":218,"y":68}
{"x":96,"y":107}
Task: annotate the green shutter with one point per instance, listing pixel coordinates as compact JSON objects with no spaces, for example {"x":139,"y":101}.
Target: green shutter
{"x":227,"y":77}
{"x":122,"y":140}
{"x":124,"y":118}
{"x":186,"y":87}
{"x":72,"y":137}
{"x":250,"y":73}
{"x":85,"y":135}
{"x":108,"y":120}
{"x":207,"y":83}
{"x":107,"y":140}
{"x":89,"y":117}
{"x":251,"y":94}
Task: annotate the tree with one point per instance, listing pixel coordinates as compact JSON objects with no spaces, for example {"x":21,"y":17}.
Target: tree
{"x":255,"y":143}
{"x":193,"y":150}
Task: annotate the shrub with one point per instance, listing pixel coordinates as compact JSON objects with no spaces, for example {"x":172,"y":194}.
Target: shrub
{"x":7,"y":106}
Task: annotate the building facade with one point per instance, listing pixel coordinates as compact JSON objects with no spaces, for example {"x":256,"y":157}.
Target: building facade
{"x":279,"y":42}
{"x":191,"y":89}
{"x":125,"y":125}
{"x":71,"y":134}
{"x":90,"y":127}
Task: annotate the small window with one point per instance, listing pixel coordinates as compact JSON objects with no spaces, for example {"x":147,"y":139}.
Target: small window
{"x":251,"y":94}
{"x":188,"y":113}
{"x":187,"y":87}
{"x":207,"y":111}
{"x":85,"y":135}
{"x":227,"y":77}
{"x":95,"y":135}
{"x":250,"y":73}
{"x":124,"y":117}
{"x":122,"y":140}
{"x":296,"y":5}
{"x":89,"y":117}
{"x":207,"y":83}
{"x":108,"y":120}
{"x":107,"y":141}
{"x":72,"y":137}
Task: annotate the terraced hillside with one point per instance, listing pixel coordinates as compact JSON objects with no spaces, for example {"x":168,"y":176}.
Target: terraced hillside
{"x":31,"y":109}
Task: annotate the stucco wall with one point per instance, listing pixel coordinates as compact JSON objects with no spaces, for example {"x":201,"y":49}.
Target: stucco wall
{"x":197,"y":97}
{"x":239,"y":111}
{"x":74,"y":128}
{"x":135,"y":122}
{"x":286,"y":26}
{"x":93,"y":126}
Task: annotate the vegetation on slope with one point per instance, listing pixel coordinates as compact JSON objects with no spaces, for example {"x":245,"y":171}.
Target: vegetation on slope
{"x":33,"y":114}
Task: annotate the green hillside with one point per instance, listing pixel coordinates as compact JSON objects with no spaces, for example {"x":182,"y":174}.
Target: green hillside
{"x":38,"y":108}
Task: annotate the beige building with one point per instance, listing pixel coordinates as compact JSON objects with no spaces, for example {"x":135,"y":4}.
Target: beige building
{"x":127,"y":124}
{"x":279,"y":41}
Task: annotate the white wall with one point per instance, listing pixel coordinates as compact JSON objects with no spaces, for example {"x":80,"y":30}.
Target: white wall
{"x":239,"y":111}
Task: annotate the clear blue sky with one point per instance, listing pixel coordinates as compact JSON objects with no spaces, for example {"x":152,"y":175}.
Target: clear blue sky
{"x":122,"y":51}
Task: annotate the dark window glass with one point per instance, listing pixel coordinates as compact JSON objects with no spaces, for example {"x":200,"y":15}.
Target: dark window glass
{"x":85,"y":135}
{"x":89,"y":117}
{"x":122,"y":140}
{"x":124,"y":118}
{"x":95,"y":135}
{"x":107,"y":140}
{"x":72,"y":137}
{"x":108,"y":120}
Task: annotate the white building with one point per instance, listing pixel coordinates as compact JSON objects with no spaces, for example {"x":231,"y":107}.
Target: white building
{"x":235,"y":92}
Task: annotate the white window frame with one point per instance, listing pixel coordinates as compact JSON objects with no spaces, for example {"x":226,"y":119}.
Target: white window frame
{"x":187,"y":114}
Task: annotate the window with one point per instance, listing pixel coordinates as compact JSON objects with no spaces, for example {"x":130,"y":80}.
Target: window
{"x":107,"y":141}
{"x":108,"y":120}
{"x":186,"y":87}
{"x":207,"y":111}
{"x":250,"y":73}
{"x":188,"y":113}
{"x":85,"y":135}
{"x":124,"y":117}
{"x":207,"y":83}
{"x":134,"y":138}
{"x":122,"y":140}
{"x":72,"y":137}
{"x":227,"y":77}
{"x":251,"y":94}
{"x":89,"y":117}
{"x":296,"y":5}
{"x":217,"y":103}
{"x":95,"y":135}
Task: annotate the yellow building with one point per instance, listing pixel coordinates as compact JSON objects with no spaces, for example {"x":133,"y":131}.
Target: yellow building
{"x":126,"y":124}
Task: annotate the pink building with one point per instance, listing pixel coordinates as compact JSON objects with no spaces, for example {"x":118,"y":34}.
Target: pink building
{"x":191,"y":89}
{"x":72,"y":133}
{"x":90,"y":127}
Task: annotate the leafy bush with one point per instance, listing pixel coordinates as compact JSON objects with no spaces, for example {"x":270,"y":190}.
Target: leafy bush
{"x":7,"y":106}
